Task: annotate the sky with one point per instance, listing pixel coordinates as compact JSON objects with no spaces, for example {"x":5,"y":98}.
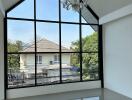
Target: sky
{"x":46,"y":10}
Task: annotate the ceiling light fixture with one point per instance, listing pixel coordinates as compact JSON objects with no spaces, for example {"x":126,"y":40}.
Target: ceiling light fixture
{"x":76,"y":5}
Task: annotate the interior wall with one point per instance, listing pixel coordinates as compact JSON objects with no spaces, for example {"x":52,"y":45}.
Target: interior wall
{"x":118,"y":55}
{"x":1,"y":57}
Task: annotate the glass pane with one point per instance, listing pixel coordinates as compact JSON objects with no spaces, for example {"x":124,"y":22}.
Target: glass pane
{"x":69,"y":15}
{"x":87,"y":17}
{"x":20,"y":36}
{"x":47,"y":9}
{"x":70,"y":38}
{"x":83,"y":20}
{"x":47,"y":37}
{"x":89,"y":38}
{"x":21,"y":70}
{"x":48,"y":71}
{"x":90,"y":66}
{"x":70,"y":67}
{"x":24,"y":10}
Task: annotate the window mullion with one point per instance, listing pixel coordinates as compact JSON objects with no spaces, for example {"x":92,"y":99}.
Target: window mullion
{"x":5,"y":57}
{"x":60,"y":41}
{"x":80,"y":36}
{"x":35,"y":37}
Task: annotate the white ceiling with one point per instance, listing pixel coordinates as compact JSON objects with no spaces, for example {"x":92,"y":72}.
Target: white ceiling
{"x":8,"y":3}
{"x":104,"y":7}
{"x":101,"y":7}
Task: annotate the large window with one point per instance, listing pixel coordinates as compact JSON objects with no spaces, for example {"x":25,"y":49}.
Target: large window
{"x":47,"y":44}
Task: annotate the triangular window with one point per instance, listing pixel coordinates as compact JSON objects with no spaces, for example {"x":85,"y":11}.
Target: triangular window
{"x":23,"y":10}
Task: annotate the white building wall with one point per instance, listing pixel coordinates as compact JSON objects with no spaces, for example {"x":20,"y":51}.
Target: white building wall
{"x":118,"y":55}
{"x":66,"y":59}
{"x":46,"y":58}
{"x":22,"y":61}
{"x":30,"y":59}
{"x":27,"y":62}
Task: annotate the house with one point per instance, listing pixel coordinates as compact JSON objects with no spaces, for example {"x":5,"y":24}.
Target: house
{"x":48,"y":64}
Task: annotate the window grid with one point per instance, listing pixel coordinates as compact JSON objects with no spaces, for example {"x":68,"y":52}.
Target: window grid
{"x":60,"y":52}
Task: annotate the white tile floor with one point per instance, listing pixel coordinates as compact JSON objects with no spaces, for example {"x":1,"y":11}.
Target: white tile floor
{"x":94,"y":94}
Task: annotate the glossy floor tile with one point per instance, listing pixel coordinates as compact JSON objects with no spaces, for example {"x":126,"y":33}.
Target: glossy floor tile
{"x":94,"y":94}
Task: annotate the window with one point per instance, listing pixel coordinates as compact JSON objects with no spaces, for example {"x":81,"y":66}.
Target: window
{"x":19,"y":11}
{"x":39,"y":59}
{"x":56,"y":59}
{"x":66,"y":15}
{"x":50,"y":45}
{"x":47,"y":10}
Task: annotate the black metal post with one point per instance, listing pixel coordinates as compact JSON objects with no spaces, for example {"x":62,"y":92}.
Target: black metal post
{"x":35,"y":37}
{"x":60,"y":41}
{"x":101,"y":56}
{"x":80,"y":35}
{"x":5,"y":58}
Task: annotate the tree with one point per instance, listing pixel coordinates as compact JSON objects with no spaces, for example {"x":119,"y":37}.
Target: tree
{"x":13,"y":59}
{"x":90,"y":43}
{"x":90,"y":60}
{"x":15,"y":46}
{"x":75,"y":59}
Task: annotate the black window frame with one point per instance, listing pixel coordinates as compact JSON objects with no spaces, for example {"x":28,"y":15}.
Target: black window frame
{"x":100,"y":45}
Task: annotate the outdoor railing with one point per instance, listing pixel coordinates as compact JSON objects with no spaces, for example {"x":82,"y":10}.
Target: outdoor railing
{"x":20,"y":82}
{"x":14,"y":82}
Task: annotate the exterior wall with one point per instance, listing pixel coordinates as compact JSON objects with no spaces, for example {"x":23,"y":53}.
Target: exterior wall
{"x":27,"y":65}
{"x":118,"y":56}
{"x":1,"y":57}
{"x":66,"y":59}
{"x":28,"y":59}
{"x":47,"y":58}
{"x":22,"y":61}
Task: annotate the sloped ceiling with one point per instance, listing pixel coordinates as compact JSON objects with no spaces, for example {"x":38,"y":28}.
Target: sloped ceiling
{"x":104,"y":7}
{"x":101,"y":7}
{"x":8,"y":3}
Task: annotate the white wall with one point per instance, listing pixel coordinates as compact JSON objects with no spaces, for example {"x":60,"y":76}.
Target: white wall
{"x":15,"y":93}
{"x":118,"y":55}
{"x":1,"y":58}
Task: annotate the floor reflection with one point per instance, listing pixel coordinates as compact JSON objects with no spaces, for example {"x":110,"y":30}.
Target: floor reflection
{"x":93,"y":94}
{"x":89,"y":98}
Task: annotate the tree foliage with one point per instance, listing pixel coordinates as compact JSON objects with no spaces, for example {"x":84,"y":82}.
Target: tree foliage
{"x":13,"y":59}
{"x":90,"y":60}
{"x":15,"y":46}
